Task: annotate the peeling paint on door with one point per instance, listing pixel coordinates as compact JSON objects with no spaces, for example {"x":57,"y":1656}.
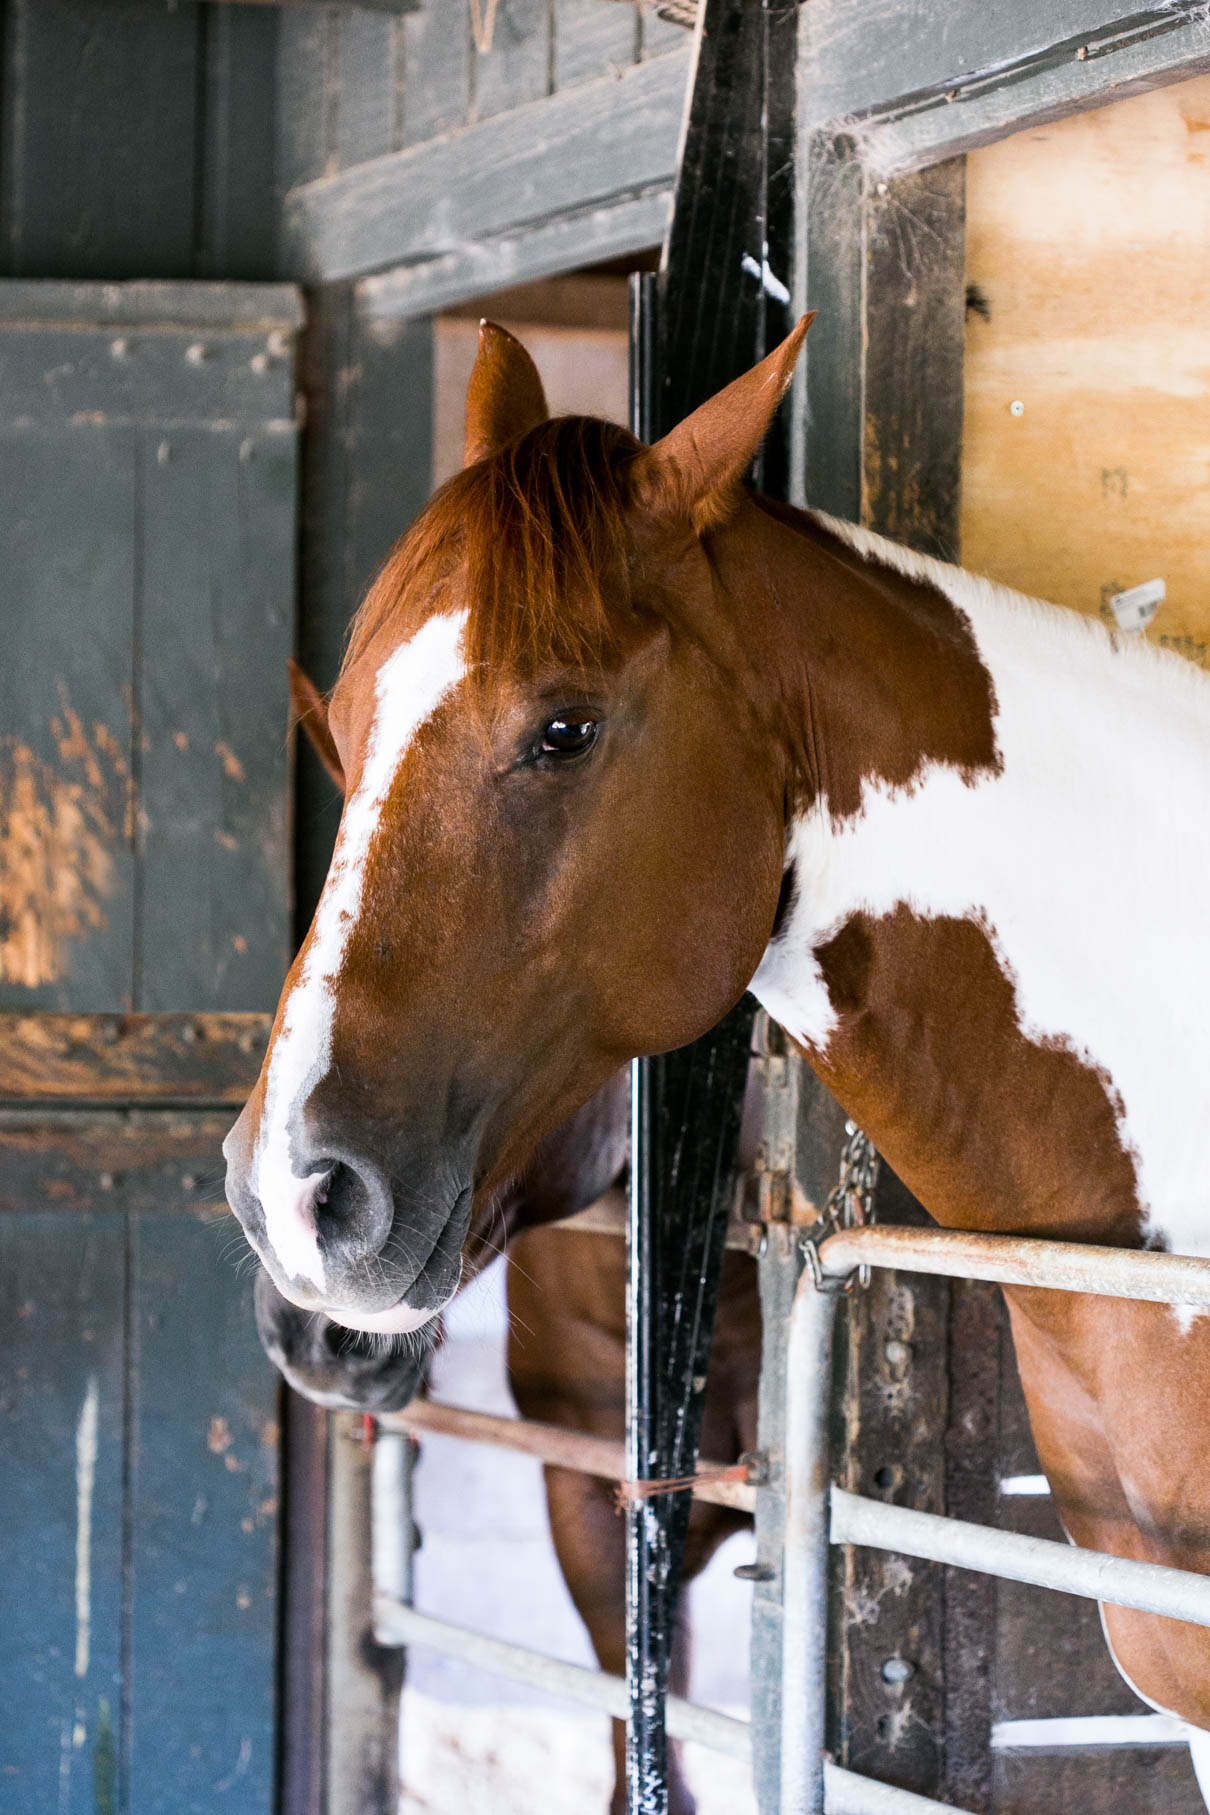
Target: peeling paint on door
{"x":57,"y":840}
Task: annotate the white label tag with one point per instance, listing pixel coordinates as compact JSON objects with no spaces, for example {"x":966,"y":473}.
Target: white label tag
{"x":1134,"y":610}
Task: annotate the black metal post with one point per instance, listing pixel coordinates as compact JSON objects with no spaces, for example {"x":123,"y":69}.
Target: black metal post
{"x":720,"y":301}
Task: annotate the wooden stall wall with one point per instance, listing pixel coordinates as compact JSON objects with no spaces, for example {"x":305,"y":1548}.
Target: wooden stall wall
{"x":148,"y":467}
{"x":1086,"y":471}
{"x":149,"y":456}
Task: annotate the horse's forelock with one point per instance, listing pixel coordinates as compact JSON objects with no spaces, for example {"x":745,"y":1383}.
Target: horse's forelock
{"x":535,"y":535}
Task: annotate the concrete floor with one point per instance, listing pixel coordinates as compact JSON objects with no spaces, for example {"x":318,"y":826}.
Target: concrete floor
{"x":471,"y":1744}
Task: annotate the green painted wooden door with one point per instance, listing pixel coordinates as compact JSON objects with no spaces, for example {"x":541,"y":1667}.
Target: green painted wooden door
{"x":148,"y":471}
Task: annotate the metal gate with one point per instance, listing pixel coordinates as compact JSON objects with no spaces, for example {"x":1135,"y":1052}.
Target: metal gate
{"x":802,"y":1514}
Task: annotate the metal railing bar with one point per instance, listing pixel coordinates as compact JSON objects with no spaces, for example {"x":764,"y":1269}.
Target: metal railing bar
{"x":1174,"y":1279}
{"x":397,"y":1624}
{"x":600,"y":1456}
{"x":845,"y":1793}
{"x":1088,"y":1732}
{"x":1177,"y":1594}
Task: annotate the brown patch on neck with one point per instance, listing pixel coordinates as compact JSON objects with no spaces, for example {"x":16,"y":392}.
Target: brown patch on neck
{"x":889,"y":676}
{"x":989,"y":1129}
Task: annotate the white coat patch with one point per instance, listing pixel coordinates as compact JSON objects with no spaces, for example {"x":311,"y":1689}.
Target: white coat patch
{"x":411,"y":684}
{"x":1086,"y":860}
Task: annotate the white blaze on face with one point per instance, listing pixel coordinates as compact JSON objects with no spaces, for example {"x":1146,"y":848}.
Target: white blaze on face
{"x":411,"y":685}
{"x":1086,"y":860}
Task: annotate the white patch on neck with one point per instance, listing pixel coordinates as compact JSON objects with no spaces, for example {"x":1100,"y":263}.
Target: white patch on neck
{"x":411,"y":684}
{"x":1086,"y":860}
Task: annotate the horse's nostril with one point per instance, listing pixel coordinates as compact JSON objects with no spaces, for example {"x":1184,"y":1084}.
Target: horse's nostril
{"x":342,"y":1198}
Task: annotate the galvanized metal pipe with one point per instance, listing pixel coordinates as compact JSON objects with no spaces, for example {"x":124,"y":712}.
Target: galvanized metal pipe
{"x":550,"y":1443}
{"x":392,"y":1525}
{"x":805,"y":1556}
{"x":1177,"y":1594}
{"x":1174,"y":1279}
{"x":397,"y":1624}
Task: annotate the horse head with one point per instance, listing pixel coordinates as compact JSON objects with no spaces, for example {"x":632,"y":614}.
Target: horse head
{"x":561,"y":847}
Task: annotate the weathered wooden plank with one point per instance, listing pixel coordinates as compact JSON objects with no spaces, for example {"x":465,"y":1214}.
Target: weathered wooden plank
{"x":971,"y":1454}
{"x":891,"y":1724}
{"x":880,"y":57}
{"x":253,"y":308}
{"x":371,"y":414}
{"x":93,"y":378}
{"x":66,"y":866}
{"x":128,"y":1059}
{"x":610,"y":139}
{"x":516,"y":67}
{"x":96,"y":1160}
{"x":366,"y":99}
{"x":884,"y":395}
{"x":217,"y":563}
{"x":915,"y":329}
{"x":101,"y":123}
{"x":593,"y":40}
{"x":828,"y":435}
{"x":202,"y":1517}
{"x":305,"y":137}
{"x":905,"y":1682}
{"x":236,"y":177}
{"x":437,"y":74}
{"x":62,"y":1324}
{"x":501,"y":261}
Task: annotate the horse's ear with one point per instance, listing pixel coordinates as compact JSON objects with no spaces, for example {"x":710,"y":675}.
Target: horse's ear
{"x":505,"y":395}
{"x":310,"y":710}
{"x":696,"y":471}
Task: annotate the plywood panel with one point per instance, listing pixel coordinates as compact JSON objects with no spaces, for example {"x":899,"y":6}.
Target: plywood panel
{"x":1087,"y":456}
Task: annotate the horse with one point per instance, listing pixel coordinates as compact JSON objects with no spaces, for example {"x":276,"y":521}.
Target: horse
{"x":624,"y":739}
{"x":566,"y":1362}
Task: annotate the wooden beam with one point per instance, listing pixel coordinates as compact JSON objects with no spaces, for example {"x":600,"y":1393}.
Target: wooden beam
{"x":881,"y":440}
{"x":215,"y":307}
{"x":923,"y":82}
{"x":908,"y":90}
{"x":594,"y":147}
{"x":160,"y":1161}
{"x":131,"y":1059}
{"x":585,"y":236}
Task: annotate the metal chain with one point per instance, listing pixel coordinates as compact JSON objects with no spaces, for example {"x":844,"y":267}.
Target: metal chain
{"x":850,"y":1202}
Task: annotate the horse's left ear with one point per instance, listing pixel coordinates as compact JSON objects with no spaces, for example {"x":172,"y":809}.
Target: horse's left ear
{"x":696,"y":471}
{"x":504,"y":397}
{"x":310,"y":710}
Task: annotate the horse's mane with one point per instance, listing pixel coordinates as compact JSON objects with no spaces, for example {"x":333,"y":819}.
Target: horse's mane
{"x":535,"y":532}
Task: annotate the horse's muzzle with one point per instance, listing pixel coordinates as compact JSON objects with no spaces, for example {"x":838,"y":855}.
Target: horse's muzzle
{"x":374,"y":1249}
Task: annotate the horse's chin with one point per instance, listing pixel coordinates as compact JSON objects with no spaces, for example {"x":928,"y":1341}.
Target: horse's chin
{"x":400,"y":1320}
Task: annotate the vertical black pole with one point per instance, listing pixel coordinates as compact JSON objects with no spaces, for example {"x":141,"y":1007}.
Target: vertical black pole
{"x":718,"y":305}
{"x":647,"y":1634}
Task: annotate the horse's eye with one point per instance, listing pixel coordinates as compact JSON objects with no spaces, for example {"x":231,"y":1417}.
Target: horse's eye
{"x":568,"y":736}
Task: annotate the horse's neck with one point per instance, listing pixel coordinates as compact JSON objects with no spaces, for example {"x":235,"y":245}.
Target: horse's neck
{"x":1001,"y":856}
